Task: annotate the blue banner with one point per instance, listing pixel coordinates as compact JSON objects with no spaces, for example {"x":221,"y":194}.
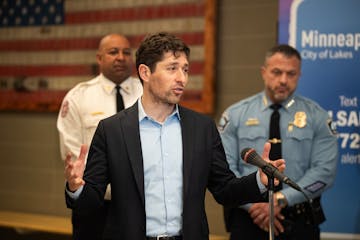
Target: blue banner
{"x":327,"y":35}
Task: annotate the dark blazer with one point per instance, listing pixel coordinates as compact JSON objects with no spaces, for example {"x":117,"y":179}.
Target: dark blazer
{"x":115,"y":157}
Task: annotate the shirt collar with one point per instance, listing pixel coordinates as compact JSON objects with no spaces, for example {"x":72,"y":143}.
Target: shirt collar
{"x":288,"y":103}
{"x":142,"y":113}
{"x":109,"y":85}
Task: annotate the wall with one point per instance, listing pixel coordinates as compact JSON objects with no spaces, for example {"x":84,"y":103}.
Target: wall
{"x":31,"y":172}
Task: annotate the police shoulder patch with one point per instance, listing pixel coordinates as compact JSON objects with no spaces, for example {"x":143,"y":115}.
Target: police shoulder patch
{"x":224,"y":121}
{"x":64,"y":108}
{"x":332,"y":126}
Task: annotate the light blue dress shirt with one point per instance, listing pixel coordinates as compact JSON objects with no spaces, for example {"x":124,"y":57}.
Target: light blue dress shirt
{"x":163,"y":176}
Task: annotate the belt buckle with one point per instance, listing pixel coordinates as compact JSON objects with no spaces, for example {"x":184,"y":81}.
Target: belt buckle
{"x":162,"y":237}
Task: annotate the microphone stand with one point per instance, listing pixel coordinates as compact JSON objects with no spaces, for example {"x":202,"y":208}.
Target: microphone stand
{"x":271,"y":186}
{"x":271,"y":206}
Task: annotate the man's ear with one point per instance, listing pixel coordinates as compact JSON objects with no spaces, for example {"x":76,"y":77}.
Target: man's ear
{"x":98,"y":58}
{"x":144,"y":72}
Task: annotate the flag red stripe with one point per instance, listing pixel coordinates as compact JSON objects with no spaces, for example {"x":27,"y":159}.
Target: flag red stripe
{"x":49,"y":44}
{"x":136,"y":13}
{"x":67,"y":70}
{"x":53,"y":70}
{"x":195,"y":38}
{"x":31,"y":101}
{"x":51,"y":100}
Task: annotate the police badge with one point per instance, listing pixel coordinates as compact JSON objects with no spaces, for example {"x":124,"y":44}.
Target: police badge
{"x":300,"y":119}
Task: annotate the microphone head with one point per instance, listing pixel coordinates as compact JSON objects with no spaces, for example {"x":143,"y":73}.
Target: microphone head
{"x":249,"y":155}
{"x":245,"y":153}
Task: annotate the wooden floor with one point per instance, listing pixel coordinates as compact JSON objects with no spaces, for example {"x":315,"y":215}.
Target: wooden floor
{"x":29,"y":226}
{"x":38,"y":222}
{"x":12,"y":234}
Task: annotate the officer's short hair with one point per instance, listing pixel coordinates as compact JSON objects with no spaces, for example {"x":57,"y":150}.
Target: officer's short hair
{"x":284,"y":49}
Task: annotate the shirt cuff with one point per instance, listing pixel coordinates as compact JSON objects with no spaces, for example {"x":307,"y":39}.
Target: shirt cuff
{"x":261,"y":186}
{"x":74,"y":195}
{"x":246,"y":207}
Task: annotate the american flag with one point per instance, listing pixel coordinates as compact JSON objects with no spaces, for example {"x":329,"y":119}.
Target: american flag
{"x":48,"y":46}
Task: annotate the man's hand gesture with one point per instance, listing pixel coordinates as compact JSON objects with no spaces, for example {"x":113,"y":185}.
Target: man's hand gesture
{"x":74,"y":170}
{"x":280,"y":164}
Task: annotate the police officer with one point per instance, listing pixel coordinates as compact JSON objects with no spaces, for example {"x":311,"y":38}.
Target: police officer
{"x":308,"y":145}
{"x":89,"y":102}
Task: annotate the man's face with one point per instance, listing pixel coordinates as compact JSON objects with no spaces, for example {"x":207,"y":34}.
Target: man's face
{"x":280,"y":75}
{"x":115,"y":59}
{"x":167,"y":83}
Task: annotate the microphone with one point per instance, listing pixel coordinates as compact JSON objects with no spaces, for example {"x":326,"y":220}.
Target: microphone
{"x":250,"y":156}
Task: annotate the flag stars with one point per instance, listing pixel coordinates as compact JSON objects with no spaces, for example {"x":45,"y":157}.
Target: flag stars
{"x":44,"y":20}
{"x":5,"y":21}
{"x":58,"y":19}
{"x":52,"y":9}
{"x":11,"y":12}
{"x":31,"y":20}
{"x":37,"y":9}
{"x":17,"y":20}
{"x":31,"y":12}
{"x":24,"y":11}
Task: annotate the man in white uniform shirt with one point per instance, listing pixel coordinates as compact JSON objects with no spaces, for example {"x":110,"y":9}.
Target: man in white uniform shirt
{"x":89,"y":102}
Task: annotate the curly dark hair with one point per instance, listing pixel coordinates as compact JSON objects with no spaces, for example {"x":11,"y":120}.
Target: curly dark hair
{"x":154,"y":46}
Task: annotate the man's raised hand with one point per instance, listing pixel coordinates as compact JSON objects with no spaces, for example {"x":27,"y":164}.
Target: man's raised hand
{"x":74,"y":169}
{"x":279,"y":163}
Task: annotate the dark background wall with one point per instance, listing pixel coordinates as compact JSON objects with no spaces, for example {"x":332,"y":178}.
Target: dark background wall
{"x":31,"y":171}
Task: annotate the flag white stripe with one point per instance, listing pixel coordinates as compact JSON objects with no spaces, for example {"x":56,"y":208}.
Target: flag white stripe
{"x":65,"y":83}
{"x":133,"y":28}
{"x":86,"y":5}
{"x":66,"y":57}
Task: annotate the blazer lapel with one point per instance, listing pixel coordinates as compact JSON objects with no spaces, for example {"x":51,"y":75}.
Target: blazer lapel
{"x":133,"y":145}
{"x":187,"y":132}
